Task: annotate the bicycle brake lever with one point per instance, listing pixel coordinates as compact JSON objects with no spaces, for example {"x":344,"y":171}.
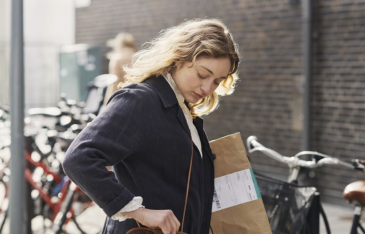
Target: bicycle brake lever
{"x":358,"y":164}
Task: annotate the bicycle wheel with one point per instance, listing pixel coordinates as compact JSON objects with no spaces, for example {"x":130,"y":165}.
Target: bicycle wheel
{"x":61,"y":217}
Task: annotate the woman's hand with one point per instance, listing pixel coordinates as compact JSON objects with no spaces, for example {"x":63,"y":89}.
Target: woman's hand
{"x":163,"y":219}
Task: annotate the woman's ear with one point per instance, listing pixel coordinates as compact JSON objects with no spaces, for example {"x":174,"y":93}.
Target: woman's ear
{"x":178,"y":65}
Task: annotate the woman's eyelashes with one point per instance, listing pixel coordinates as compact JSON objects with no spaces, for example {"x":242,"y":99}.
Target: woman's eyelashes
{"x":216,"y":82}
{"x":201,"y":76}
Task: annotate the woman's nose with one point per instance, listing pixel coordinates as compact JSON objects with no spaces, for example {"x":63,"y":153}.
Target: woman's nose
{"x":207,"y":87}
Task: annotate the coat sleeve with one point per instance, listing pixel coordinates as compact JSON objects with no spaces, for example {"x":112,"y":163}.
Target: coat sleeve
{"x":115,"y":134}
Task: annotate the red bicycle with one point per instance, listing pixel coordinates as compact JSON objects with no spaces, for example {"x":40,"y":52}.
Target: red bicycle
{"x":51,"y":194}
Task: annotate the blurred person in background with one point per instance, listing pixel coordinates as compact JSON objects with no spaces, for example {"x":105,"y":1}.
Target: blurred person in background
{"x":123,"y":49}
{"x":151,"y":132}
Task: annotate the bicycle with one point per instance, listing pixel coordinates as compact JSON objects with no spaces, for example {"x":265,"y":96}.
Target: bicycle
{"x":47,"y":185}
{"x":311,"y":206}
{"x":50,"y":191}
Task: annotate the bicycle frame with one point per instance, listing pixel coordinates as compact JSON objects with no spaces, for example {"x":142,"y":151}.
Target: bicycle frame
{"x":67,"y":187}
{"x":28,"y":176}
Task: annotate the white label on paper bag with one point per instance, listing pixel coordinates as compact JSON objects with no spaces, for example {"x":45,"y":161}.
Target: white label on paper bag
{"x":234,"y":189}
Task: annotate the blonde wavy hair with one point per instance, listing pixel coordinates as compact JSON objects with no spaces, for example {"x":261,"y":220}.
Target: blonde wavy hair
{"x":185,"y":43}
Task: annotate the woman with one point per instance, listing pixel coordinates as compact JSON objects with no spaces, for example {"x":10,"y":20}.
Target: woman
{"x":123,"y":49}
{"x":150,"y":128}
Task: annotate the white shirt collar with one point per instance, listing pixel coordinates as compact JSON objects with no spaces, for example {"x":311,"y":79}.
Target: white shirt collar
{"x":174,"y":87}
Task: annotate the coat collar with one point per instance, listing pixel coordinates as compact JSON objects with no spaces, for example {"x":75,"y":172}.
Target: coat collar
{"x":168,"y":98}
{"x":167,"y":95}
{"x":163,"y":89}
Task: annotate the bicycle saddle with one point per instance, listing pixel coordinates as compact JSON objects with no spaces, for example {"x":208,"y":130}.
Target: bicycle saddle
{"x":47,"y":111}
{"x":355,"y":192}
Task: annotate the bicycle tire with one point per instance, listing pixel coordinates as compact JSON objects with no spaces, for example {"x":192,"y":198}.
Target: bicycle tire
{"x":4,"y":212}
{"x":61,"y":216}
{"x":361,"y":227}
{"x":77,"y":225}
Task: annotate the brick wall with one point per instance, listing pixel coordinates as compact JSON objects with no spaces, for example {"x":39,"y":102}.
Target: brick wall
{"x":266,"y":102}
{"x":338,"y":84}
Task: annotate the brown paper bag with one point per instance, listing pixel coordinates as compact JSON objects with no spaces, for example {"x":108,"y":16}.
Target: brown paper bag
{"x":247,"y":216}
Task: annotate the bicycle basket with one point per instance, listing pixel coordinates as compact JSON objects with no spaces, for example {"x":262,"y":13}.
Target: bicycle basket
{"x":287,"y":205}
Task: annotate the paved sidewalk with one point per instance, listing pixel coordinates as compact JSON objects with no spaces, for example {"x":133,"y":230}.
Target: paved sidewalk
{"x":91,"y":221}
{"x":339,"y":217}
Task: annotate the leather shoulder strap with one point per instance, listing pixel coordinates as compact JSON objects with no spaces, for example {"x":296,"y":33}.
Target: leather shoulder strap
{"x":187,"y":187}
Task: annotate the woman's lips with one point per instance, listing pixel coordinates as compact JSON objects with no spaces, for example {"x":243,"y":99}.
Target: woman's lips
{"x":198,"y":95}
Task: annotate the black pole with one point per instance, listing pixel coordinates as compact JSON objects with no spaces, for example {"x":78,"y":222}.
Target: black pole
{"x":17,"y":164}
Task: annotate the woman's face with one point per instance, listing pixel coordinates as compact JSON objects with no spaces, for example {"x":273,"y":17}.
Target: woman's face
{"x":198,"y":80}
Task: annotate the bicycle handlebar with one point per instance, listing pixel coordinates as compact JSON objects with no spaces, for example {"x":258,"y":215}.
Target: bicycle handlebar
{"x":294,"y":161}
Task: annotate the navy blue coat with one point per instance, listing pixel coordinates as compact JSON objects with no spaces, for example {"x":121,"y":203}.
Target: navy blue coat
{"x":143,"y":134}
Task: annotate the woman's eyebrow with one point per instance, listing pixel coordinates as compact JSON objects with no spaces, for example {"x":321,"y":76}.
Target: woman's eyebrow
{"x":207,"y":70}
{"x":211,"y":72}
